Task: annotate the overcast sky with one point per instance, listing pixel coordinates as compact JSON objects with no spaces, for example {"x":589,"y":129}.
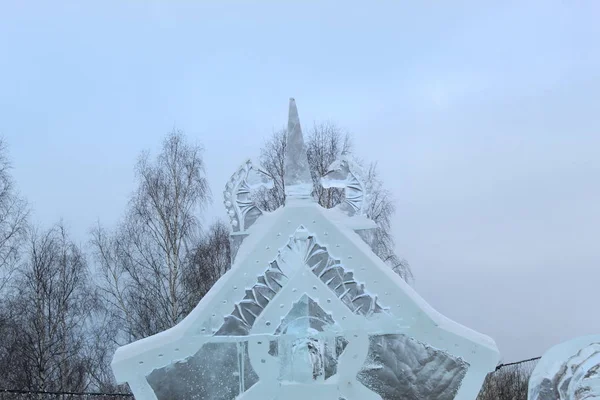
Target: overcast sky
{"x":485,"y":122}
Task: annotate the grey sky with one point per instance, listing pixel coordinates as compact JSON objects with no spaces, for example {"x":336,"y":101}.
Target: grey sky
{"x":484,"y":121}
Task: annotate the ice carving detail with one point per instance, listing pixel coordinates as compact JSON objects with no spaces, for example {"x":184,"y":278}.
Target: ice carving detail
{"x":332,"y":273}
{"x":241,"y":208}
{"x":348,"y":175}
{"x":568,"y":371}
{"x":240,"y":321}
{"x":401,"y":367}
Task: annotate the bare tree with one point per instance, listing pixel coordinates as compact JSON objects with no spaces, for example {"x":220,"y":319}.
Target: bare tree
{"x":51,"y":304}
{"x":381,"y":210}
{"x":99,"y":350}
{"x":143,"y":261}
{"x":13,"y":226}
{"x":272,"y":163}
{"x":209,"y":261}
{"x":325,"y":143}
{"x":13,"y":219}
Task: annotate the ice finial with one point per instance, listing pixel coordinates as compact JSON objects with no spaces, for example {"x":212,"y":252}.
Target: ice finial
{"x":298,"y":183}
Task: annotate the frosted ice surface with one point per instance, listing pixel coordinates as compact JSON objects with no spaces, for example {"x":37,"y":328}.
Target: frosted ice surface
{"x":218,"y":371}
{"x":298,"y":182}
{"x":307,"y":343}
{"x":568,"y":371}
{"x":400,"y":367}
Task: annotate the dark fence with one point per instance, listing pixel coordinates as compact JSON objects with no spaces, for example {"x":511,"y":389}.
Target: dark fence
{"x":8,"y":394}
{"x":508,"y":381}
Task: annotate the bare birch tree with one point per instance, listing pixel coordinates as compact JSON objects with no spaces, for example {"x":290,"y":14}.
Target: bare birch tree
{"x":381,"y":210}
{"x":272,"y":162}
{"x":13,"y":219}
{"x":209,"y":261}
{"x":144,"y":260}
{"x":325,"y":143}
{"x":51,"y":304}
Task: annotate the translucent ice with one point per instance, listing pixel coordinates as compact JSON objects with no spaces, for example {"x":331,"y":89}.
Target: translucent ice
{"x":568,"y":371}
{"x":400,"y":367}
{"x":298,"y":182}
{"x":240,"y":206}
{"x":348,"y":175}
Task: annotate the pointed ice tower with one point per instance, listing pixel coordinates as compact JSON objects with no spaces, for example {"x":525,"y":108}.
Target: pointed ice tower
{"x":307,"y":310}
{"x":296,"y":177}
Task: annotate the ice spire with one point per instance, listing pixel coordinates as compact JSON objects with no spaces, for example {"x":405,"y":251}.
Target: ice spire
{"x":298,"y":183}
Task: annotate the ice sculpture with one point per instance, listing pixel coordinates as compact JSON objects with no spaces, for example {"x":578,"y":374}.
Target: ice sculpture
{"x":242,"y":210}
{"x":347,"y":174}
{"x":240,"y":205}
{"x":568,"y":371}
{"x":307,"y":310}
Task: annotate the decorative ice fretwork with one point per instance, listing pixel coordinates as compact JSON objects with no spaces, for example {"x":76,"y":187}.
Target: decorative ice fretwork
{"x":332,"y":273}
{"x":307,"y":310}
{"x":348,"y":175}
{"x":245,"y":312}
{"x":568,"y":371}
{"x":240,"y":206}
